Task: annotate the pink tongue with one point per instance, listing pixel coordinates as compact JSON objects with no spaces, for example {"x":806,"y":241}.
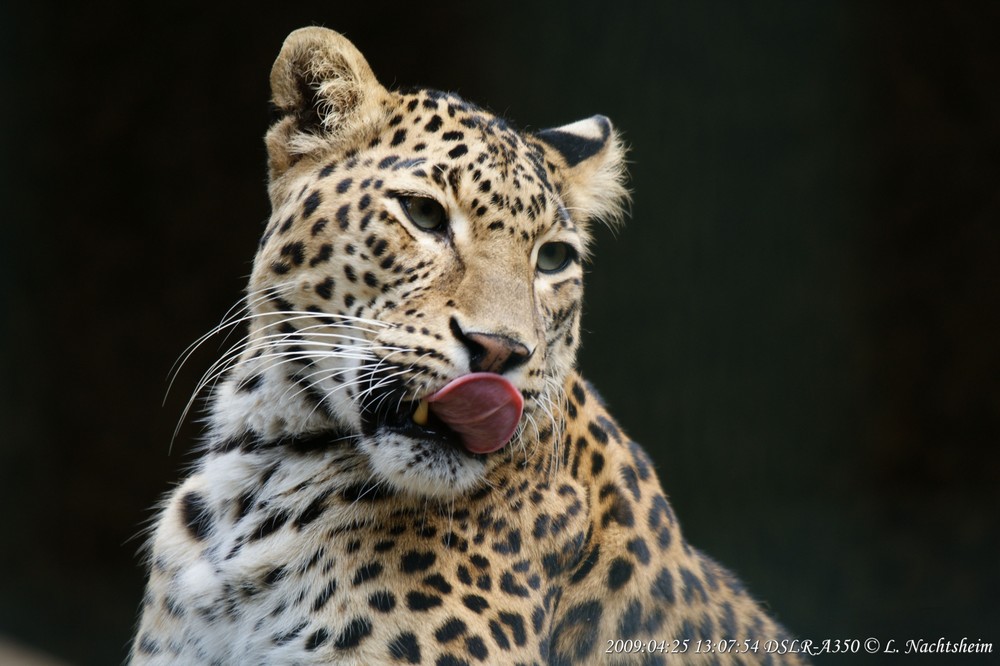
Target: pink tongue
{"x":483,"y":408}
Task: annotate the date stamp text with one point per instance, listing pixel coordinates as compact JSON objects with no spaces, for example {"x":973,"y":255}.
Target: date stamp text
{"x":869,"y":645}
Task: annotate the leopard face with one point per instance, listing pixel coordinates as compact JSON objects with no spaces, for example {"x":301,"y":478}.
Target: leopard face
{"x":414,"y":240}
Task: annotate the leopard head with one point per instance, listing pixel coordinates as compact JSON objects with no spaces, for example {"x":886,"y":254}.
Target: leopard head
{"x":418,"y":287}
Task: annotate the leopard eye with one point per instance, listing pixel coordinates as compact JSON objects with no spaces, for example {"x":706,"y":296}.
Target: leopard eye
{"x":554,"y":257}
{"x":424,"y":212}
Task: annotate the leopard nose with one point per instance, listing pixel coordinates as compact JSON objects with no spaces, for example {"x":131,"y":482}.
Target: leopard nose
{"x":491,"y":352}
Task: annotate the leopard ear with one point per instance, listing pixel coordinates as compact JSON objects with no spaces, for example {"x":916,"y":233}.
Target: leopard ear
{"x":323,"y":92}
{"x":591,"y":159}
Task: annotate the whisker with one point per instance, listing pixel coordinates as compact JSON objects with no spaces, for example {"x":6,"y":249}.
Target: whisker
{"x":247,"y":348}
{"x":281,"y":317}
{"x":230,"y":320}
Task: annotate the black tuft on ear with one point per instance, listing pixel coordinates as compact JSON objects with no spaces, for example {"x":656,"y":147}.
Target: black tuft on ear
{"x":576,"y":148}
{"x":591,"y":164}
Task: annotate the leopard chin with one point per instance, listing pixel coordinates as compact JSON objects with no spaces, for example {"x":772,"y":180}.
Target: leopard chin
{"x":438,"y":468}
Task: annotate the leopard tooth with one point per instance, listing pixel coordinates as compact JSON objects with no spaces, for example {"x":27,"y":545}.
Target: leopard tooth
{"x":421,"y":413}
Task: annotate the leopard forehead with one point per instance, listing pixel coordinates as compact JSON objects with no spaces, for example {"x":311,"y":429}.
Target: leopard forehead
{"x":493,"y":178}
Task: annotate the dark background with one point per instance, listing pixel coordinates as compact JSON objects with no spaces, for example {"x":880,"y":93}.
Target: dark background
{"x":800,"y":319}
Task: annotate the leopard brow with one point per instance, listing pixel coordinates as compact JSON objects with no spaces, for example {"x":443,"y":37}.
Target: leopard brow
{"x":405,"y":192}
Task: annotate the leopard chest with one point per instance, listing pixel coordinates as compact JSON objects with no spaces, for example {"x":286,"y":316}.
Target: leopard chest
{"x":348,"y":571}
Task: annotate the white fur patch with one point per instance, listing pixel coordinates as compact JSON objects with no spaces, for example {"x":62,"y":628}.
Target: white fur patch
{"x":423,"y":468}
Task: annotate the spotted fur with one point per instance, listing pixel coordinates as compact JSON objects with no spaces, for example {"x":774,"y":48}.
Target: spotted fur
{"x":319,"y":526}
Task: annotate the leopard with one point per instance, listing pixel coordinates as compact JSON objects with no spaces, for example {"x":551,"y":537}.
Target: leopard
{"x":401,"y":463}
